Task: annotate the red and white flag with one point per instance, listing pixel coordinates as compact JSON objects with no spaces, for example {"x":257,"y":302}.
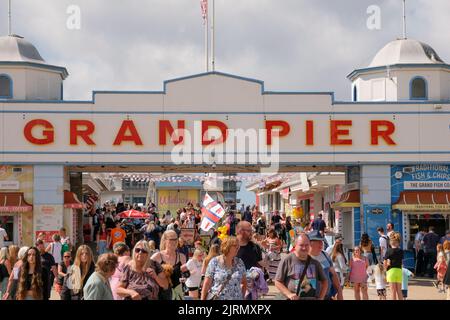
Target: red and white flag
{"x":90,"y":203}
{"x":204,"y":6}
{"x":212,"y":213}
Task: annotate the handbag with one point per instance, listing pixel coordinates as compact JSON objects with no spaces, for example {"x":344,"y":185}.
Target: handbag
{"x":216,"y":295}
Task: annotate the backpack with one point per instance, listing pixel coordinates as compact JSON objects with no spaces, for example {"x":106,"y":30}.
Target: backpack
{"x":387,"y":241}
{"x":64,"y":248}
{"x":3,"y":272}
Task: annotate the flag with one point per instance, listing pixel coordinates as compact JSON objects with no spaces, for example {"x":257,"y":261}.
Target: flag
{"x":212,"y":213}
{"x":204,"y":6}
{"x":90,"y":203}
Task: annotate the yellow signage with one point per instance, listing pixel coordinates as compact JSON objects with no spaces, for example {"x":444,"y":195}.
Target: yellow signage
{"x":175,"y":199}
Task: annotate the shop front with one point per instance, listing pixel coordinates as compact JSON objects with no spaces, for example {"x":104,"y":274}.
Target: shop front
{"x":421,"y":195}
{"x":349,"y":217}
{"x":13,"y":207}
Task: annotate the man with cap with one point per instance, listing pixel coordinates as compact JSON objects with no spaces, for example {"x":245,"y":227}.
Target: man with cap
{"x":316,"y":252}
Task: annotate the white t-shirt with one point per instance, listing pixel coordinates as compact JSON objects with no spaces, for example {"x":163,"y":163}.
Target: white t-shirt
{"x":195,"y":268}
{"x":383,"y":244}
{"x":55,"y":251}
{"x":380,"y":281}
{"x":3,"y":234}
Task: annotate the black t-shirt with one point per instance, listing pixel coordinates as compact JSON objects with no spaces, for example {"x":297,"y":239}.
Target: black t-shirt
{"x":319,"y":224}
{"x":251,"y":254}
{"x":396,"y":257}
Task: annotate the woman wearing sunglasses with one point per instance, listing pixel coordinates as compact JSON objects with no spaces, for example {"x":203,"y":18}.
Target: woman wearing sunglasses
{"x":141,"y":277}
{"x":170,"y":256}
{"x":63,"y":266}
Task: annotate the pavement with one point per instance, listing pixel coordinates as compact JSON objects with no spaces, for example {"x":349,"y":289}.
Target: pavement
{"x":418,"y":289}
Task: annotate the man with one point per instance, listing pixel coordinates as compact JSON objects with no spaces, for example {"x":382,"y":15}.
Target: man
{"x":117,"y":234}
{"x":319,"y":224}
{"x":389,"y":229}
{"x":3,"y":237}
{"x":430,"y":240}
{"x":384,"y":242}
{"x":337,"y":240}
{"x":419,"y":251}
{"x":313,"y":286}
{"x":249,"y":251}
{"x":316,"y":252}
{"x":276,"y":222}
{"x":247,"y":216}
{"x":49,"y":266}
{"x":446,"y":237}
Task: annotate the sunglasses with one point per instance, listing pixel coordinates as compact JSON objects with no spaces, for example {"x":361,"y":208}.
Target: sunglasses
{"x":67,"y":257}
{"x":139,"y":250}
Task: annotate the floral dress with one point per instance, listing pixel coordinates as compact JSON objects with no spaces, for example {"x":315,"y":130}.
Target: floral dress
{"x":219,"y":275}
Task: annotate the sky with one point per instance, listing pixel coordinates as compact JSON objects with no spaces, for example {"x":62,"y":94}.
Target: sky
{"x":291,"y":45}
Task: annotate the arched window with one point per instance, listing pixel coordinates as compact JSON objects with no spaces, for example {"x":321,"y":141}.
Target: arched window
{"x":418,"y":89}
{"x":5,"y":86}
{"x":355,"y":94}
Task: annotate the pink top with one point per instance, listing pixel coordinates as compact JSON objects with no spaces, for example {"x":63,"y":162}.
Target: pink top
{"x":358,"y":272}
{"x":115,"y":278}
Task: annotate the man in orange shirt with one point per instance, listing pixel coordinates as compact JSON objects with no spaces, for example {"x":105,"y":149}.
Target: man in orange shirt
{"x":117,"y":234}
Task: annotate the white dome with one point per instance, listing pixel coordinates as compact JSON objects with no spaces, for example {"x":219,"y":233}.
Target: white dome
{"x":14,"y":48}
{"x":405,"y":51}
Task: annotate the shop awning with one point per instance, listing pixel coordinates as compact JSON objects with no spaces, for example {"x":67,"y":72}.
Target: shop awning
{"x":423,"y":201}
{"x":349,"y":199}
{"x":71,"y":200}
{"x":14,"y":202}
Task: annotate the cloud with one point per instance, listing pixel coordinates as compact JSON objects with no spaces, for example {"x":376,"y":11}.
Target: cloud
{"x":301,"y":45}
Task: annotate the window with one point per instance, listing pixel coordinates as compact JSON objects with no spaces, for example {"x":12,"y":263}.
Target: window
{"x":418,"y":89}
{"x":5,"y":86}
{"x":355,"y":94}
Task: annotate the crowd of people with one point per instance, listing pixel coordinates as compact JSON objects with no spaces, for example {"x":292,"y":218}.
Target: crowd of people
{"x":255,"y":251}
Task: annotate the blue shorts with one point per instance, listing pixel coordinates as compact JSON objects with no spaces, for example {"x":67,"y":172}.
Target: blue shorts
{"x":405,"y":293}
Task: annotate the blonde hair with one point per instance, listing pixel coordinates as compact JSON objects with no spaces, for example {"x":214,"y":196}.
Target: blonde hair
{"x":13,"y":254}
{"x":22,"y":252}
{"x":152,"y":245}
{"x":227,"y":243}
{"x":4,"y":254}
{"x":394,"y":238}
{"x":151,"y":226}
{"x":197,"y":253}
{"x":162,"y":245}
{"x":446,"y":245}
{"x":144,"y":245}
{"x":83,"y":269}
{"x":214,"y":251}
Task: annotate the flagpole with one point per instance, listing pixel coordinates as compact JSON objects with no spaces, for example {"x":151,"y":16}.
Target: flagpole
{"x":9,"y":17}
{"x":404,"y":19}
{"x":213,"y":27}
{"x":206,"y":21}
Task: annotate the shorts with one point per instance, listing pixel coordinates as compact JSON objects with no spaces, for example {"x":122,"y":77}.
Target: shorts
{"x":192,"y":288}
{"x":381,"y":292}
{"x":394,"y":275}
{"x":405,"y":293}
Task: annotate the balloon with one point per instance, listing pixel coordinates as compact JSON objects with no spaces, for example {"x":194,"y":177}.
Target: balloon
{"x":297,"y":213}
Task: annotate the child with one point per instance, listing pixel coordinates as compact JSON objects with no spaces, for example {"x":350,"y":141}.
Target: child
{"x":379,"y":274}
{"x":406,"y":274}
{"x":441,"y":269}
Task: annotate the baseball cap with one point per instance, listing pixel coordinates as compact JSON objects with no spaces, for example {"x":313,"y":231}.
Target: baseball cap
{"x":315,"y":235}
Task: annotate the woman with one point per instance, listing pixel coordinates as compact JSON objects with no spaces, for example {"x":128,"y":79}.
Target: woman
{"x":358,"y":274}
{"x":5,"y":269}
{"x":122,"y":252}
{"x":141,"y":277}
{"x":446,"y":247}
{"x":78,"y":274}
{"x":225,"y":277}
{"x":214,"y":251}
{"x":339,"y":262}
{"x":65,"y":241}
{"x":98,"y":287}
{"x":32,"y":278}
{"x":273,"y":246}
{"x":102,"y":239}
{"x":366,"y":246}
{"x":13,"y":281}
{"x":175,"y":261}
{"x":153,"y":232}
{"x":62,"y":271}
{"x":183,"y":248}
{"x":13,"y":254}
{"x":194,"y":266}
{"x":393,"y":264}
